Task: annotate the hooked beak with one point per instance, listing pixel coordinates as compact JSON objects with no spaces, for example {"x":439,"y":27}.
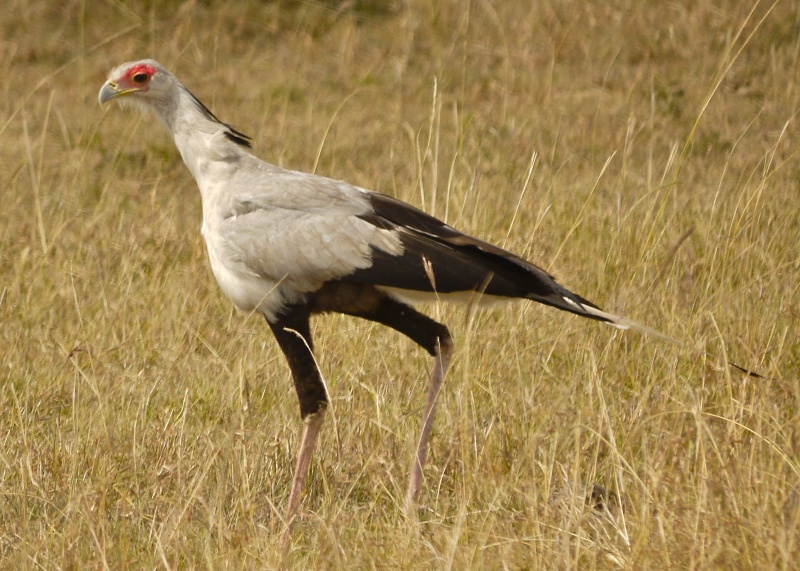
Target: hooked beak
{"x":110,"y":90}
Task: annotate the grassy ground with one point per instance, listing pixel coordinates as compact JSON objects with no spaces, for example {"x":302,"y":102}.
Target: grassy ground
{"x":645,"y":154}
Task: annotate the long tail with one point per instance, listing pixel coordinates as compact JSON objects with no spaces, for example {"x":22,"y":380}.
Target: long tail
{"x":624,"y":323}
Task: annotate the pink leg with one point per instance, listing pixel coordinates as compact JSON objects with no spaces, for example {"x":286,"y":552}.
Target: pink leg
{"x":311,"y":426}
{"x":440,"y":364}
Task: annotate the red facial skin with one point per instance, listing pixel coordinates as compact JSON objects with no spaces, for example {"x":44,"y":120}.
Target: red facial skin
{"x":138,"y":76}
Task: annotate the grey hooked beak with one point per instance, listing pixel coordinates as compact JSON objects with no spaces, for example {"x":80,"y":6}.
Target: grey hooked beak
{"x":110,"y":90}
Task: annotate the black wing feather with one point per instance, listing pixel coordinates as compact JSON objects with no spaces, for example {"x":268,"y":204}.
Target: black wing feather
{"x":439,"y":258}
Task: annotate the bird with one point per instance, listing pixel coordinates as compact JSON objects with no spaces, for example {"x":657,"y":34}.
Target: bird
{"x":290,"y":245}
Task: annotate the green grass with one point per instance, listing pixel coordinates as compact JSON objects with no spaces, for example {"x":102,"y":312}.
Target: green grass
{"x":645,"y":154}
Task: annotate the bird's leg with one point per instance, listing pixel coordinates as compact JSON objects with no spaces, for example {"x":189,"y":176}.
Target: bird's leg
{"x":293,"y":334}
{"x":440,"y":363}
{"x":311,"y":426}
{"x":368,"y":303}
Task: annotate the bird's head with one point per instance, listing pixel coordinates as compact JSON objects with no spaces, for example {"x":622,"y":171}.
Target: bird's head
{"x":146,"y":85}
{"x":138,"y":83}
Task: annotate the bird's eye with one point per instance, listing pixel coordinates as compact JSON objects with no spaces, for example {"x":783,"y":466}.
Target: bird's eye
{"x":139,"y":77}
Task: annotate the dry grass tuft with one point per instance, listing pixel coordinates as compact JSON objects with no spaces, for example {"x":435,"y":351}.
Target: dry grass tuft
{"x":644,"y":154}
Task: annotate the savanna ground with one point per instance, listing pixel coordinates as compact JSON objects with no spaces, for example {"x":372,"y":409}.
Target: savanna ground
{"x":644,"y":153}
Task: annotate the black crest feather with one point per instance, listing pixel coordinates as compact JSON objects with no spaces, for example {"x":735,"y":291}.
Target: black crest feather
{"x":230,"y":132}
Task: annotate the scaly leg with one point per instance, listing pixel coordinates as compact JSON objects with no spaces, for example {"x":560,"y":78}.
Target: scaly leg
{"x":363,"y":300}
{"x":440,"y":363}
{"x":294,"y":337}
{"x":311,"y":426}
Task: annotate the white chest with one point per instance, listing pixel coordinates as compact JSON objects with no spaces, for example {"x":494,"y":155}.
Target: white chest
{"x":248,"y":292}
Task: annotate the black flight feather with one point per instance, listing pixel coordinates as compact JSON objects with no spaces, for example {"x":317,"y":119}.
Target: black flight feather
{"x":438,"y":258}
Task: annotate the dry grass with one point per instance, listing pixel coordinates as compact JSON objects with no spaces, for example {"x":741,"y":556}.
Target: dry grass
{"x":645,"y":154}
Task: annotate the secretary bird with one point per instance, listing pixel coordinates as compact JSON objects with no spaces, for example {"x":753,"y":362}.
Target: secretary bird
{"x":290,"y":245}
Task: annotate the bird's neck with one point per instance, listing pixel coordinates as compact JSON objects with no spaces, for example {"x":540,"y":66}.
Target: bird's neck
{"x":201,"y":139}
